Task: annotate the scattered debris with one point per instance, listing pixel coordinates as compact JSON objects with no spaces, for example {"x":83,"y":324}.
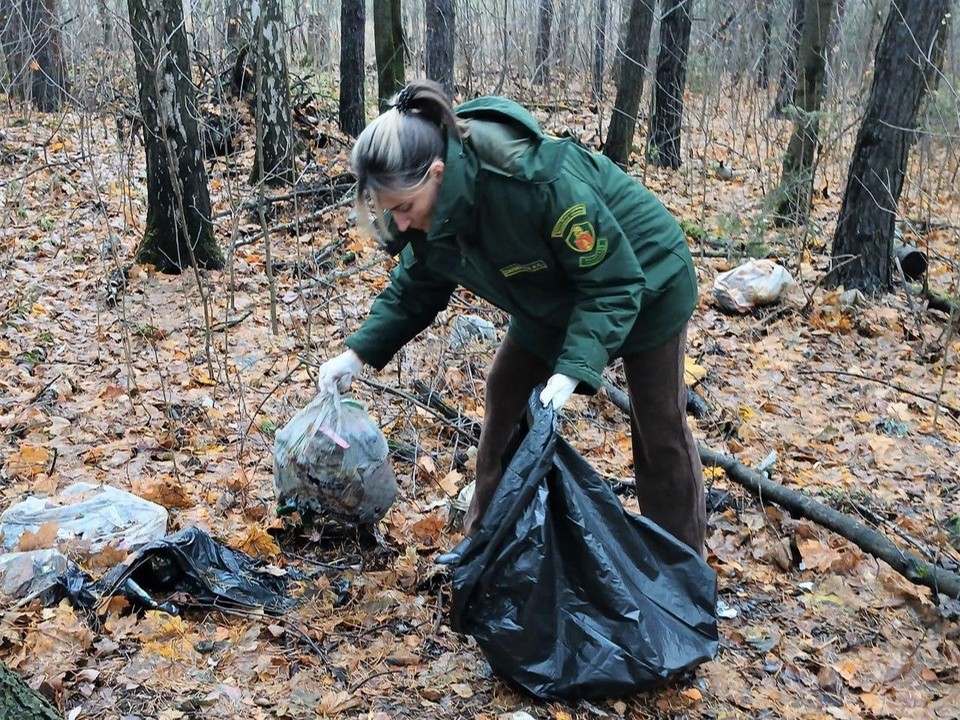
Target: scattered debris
{"x":93,"y":516}
{"x":756,"y":282}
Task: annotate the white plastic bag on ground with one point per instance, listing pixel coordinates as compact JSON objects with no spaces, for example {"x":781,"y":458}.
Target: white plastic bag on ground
{"x":756,"y":282}
{"x":27,"y":573}
{"x":332,"y":461}
{"x":96,"y":514}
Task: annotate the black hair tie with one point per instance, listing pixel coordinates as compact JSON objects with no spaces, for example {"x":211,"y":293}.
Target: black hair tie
{"x":404,"y":101}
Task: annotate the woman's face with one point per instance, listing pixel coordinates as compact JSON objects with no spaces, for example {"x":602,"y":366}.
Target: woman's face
{"x":414,"y":208}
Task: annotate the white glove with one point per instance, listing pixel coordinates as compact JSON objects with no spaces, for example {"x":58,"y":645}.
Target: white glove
{"x":558,"y":390}
{"x":339,"y":371}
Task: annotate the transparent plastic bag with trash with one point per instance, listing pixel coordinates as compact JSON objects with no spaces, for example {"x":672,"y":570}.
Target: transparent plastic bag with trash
{"x":754,"y":283}
{"x":99,"y":515}
{"x":331,"y":463}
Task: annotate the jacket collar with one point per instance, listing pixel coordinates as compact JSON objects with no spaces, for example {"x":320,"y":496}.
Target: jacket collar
{"x":453,"y":212}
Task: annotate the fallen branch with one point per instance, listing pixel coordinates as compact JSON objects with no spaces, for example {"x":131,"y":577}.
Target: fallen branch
{"x":915,"y":569}
{"x":334,"y":189}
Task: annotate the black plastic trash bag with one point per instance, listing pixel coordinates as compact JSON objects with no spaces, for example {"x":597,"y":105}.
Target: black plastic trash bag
{"x":569,"y":595}
{"x":193,"y":564}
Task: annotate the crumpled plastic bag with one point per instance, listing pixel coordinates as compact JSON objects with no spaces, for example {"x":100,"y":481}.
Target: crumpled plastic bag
{"x":569,"y":595}
{"x":756,"y":282}
{"x":332,"y":462}
{"x":31,"y":573}
{"x":191,"y":565}
{"x":96,"y":514}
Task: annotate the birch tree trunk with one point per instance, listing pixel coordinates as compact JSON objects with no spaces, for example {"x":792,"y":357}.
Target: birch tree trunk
{"x":178,"y":228}
{"x":273,"y":162}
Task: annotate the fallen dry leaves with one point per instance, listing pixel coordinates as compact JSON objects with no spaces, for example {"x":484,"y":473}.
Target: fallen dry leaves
{"x":129,"y":397}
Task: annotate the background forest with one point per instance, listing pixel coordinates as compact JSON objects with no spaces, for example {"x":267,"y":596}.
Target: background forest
{"x":178,"y":253}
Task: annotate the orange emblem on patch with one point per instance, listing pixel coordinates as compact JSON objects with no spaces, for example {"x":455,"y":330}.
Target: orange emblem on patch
{"x":584,"y":241}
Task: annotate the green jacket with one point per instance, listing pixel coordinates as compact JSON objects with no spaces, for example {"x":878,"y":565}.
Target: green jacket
{"x":587,"y":262}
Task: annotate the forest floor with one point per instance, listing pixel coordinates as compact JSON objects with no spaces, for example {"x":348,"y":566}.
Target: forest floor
{"x":127,"y":393}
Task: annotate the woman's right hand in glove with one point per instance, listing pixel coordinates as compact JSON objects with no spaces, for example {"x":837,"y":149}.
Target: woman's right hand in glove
{"x":339,"y":371}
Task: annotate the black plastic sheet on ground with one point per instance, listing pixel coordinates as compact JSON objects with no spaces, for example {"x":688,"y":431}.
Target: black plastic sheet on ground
{"x":192,"y":564}
{"x":569,"y":595}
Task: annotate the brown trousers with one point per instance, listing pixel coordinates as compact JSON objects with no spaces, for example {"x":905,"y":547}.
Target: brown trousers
{"x":666,"y":462}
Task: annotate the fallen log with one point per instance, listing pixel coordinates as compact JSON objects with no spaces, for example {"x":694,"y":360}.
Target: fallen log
{"x":915,"y":569}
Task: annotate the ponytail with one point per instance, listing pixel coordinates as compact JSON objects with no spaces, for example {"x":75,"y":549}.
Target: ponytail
{"x":395,"y":151}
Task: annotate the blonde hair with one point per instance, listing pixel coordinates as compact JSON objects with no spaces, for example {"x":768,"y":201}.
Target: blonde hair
{"x":396,"y":150}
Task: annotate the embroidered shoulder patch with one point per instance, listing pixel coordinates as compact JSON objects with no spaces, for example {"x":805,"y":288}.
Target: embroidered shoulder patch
{"x":575,"y":229}
{"x":579,"y":235}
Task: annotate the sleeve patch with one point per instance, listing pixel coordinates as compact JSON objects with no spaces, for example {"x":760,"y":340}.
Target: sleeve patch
{"x":599,"y":251}
{"x":569,"y":215}
{"x":576,"y":230}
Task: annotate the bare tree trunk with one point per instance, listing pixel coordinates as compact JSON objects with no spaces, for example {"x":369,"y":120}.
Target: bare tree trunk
{"x":273,"y":162}
{"x":632,"y":65}
{"x":863,"y":242}
{"x":788,"y":66}
{"x":791,"y":199}
{"x":178,"y":204}
{"x":106,"y":23}
{"x":30,"y":40}
{"x":541,"y":70}
{"x":19,"y":702}
{"x":599,"y":48}
{"x":352,"y":19}
{"x":14,"y":42}
{"x":664,"y":146}
{"x":763,"y":61}
{"x":238,"y":24}
{"x":441,"y":39}
{"x":389,"y":46}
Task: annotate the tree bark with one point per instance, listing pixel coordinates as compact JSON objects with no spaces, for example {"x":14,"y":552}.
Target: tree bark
{"x":632,"y":65}
{"x":664,"y":147}
{"x":14,"y":43}
{"x":541,"y":70}
{"x":273,"y":161}
{"x":389,"y":47}
{"x":763,"y":61}
{"x":441,"y":42}
{"x":600,"y":47}
{"x":788,"y":67}
{"x":30,"y":41}
{"x":352,"y":19}
{"x":237,"y":20}
{"x":19,"y":702}
{"x":863,"y":242}
{"x":178,"y":228}
{"x":791,"y":198}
